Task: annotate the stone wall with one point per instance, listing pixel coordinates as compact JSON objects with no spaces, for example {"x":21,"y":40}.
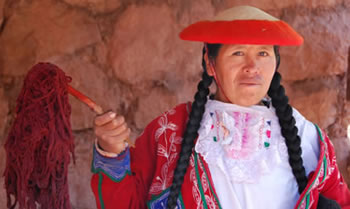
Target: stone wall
{"x":126,"y":55}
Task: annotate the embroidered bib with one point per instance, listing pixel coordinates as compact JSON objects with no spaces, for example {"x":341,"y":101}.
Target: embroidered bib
{"x":239,"y":140}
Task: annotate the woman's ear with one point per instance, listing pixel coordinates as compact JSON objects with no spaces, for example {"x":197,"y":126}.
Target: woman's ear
{"x":209,"y":65}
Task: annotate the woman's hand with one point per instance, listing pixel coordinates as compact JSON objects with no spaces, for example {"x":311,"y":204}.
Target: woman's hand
{"x":111,"y":131}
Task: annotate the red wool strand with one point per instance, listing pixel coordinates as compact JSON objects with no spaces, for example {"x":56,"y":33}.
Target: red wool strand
{"x":40,"y":142}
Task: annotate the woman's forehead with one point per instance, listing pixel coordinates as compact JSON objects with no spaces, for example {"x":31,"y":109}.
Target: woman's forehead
{"x":248,"y":46}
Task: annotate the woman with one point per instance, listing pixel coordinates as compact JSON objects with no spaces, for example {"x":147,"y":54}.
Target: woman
{"x":245,"y":148}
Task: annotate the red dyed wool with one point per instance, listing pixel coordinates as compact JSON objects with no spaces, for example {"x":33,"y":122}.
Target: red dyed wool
{"x":40,"y":142}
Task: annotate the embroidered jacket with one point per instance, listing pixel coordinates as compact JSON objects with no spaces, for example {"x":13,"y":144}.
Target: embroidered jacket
{"x":141,"y":178}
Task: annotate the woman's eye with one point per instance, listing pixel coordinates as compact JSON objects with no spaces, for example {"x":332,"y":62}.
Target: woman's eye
{"x":263,"y":53}
{"x":238,"y":53}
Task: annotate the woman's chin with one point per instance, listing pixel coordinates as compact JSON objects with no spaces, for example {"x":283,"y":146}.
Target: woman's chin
{"x":246,"y":97}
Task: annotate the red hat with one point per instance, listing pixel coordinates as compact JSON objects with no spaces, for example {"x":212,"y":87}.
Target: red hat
{"x":243,"y":25}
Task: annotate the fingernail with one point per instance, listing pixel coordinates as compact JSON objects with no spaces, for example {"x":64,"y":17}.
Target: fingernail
{"x":111,"y":114}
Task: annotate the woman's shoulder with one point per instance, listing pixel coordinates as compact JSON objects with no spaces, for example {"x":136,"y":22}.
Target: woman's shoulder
{"x":306,"y":128}
{"x":302,"y":122}
{"x":170,"y":121}
{"x":310,"y":140}
{"x":176,"y":115}
{"x":298,"y":116}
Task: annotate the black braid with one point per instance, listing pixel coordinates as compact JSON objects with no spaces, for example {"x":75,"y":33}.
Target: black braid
{"x":287,"y":122}
{"x":290,"y":132}
{"x":192,"y":127}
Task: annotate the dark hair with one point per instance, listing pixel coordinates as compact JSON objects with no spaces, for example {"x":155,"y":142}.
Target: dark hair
{"x":284,"y":113}
{"x":287,"y":122}
{"x":289,"y":130}
{"x":190,"y":134}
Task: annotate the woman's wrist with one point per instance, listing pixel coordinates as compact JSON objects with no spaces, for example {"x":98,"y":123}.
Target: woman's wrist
{"x":110,"y":152}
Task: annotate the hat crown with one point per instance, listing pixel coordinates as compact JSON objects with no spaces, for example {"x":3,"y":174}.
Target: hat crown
{"x":243,"y":13}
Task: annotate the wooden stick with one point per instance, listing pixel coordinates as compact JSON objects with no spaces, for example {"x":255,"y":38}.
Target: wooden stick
{"x":90,"y":103}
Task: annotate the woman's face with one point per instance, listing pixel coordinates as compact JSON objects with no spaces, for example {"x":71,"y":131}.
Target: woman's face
{"x":244,"y":73}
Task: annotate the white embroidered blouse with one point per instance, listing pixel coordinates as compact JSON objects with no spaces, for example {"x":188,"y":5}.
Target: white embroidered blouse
{"x":247,"y":155}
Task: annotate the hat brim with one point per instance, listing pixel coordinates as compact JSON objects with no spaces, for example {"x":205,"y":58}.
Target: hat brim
{"x":262,"y":32}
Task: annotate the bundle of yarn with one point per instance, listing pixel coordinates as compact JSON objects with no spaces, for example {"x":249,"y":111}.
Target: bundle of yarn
{"x":40,"y":142}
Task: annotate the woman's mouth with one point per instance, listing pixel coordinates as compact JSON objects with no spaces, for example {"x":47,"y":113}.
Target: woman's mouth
{"x":249,"y":83}
{"x":254,"y":81}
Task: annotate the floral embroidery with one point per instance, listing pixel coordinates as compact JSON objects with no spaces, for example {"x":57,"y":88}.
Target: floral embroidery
{"x":166,"y":149}
{"x":204,"y":185}
{"x":195,"y":190}
{"x":164,"y":124}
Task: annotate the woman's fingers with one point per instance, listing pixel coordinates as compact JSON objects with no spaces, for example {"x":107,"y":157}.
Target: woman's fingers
{"x":116,"y":123}
{"x":114,"y":127}
{"x":114,"y":144}
{"x":114,"y":132}
{"x":111,"y":131}
{"x":105,"y":118}
{"x":117,"y":138}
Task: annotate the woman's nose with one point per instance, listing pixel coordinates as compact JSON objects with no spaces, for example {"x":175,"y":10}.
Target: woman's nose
{"x":250,"y":65}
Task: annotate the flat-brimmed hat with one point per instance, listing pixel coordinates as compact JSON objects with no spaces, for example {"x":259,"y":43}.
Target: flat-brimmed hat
{"x":243,"y":25}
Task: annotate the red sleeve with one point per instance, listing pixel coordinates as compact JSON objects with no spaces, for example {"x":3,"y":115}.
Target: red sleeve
{"x":335,"y":187}
{"x":130,"y":191}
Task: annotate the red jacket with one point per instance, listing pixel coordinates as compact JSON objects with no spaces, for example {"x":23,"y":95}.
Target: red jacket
{"x":140,"y":178}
